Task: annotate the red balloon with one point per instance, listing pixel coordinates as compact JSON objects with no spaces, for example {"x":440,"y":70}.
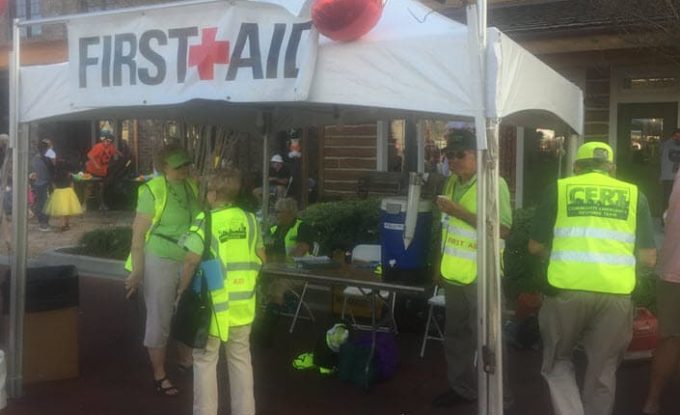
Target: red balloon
{"x":346,"y":20}
{"x":3,"y":7}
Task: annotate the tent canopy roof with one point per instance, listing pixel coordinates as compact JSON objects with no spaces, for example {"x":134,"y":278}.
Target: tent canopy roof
{"x":414,"y":63}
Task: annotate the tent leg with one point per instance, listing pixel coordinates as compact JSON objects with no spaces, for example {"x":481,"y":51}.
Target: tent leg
{"x":18,"y":261}
{"x":493,"y":356}
{"x":19,"y":142}
{"x":266,"y":139}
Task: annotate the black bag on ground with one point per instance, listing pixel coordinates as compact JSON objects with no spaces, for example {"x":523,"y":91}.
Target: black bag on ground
{"x":191,"y":322}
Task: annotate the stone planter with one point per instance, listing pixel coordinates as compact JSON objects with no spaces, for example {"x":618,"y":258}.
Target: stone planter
{"x":86,"y":265}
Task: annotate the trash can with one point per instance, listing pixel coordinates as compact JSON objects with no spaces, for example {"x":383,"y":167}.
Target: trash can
{"x":50,"y":349}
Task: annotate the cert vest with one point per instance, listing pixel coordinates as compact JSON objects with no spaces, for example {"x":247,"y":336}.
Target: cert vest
{"x":158,"y":187}
{"x":234,"y":243}
{"x":459,"y":239}
{"x":290,"y":239}
{"x":593,"y":245}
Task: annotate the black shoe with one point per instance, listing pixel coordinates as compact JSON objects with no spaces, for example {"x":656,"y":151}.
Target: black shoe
{"x":450,"y":398}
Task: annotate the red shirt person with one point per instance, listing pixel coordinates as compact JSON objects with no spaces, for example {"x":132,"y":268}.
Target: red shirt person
{"x":100,"y":155}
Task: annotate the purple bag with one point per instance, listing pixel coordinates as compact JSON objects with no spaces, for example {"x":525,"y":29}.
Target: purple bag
{"x":386,"y":359}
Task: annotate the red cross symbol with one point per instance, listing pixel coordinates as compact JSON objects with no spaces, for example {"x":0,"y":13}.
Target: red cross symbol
{"x":208,"y":53}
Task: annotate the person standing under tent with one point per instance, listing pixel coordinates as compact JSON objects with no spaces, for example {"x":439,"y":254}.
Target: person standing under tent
{"x":166,"y":206}
{"x":458,"y":268}
{"x":590,"y":228}
{"x":290,"y":237}
{"x":237,"y":242}
{"x":667,"y":353}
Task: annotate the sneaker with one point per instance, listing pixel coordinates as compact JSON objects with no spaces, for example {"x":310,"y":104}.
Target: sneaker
{"x":449,"y":399}
{"x":44,"y":228}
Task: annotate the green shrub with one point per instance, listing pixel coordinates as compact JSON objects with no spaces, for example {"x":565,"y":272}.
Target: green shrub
{"x":523,"y":272}
{"x":344,"y":224}
{"x":112,"y":243}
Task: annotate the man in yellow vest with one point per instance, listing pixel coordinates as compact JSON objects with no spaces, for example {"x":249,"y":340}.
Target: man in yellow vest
{"x":290,"y":237}
{"x":593,"y":229}
{"x":236,"y":241}
{"x":458,"y":269}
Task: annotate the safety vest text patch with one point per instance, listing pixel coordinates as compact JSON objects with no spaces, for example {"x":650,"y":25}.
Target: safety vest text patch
{"x":233,"y":233}
{"x":599,"y":201}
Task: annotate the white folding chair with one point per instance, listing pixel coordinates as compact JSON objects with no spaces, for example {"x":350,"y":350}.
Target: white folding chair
{"x":368,"y":253}
{"x":437,"y":300}
{"x":301,"y":304}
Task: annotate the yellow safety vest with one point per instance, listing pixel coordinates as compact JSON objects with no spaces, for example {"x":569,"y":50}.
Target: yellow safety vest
{"x":234,"y":242}
{"x":459,"y":239}
{"x":593,"y":245}
{"x":158,"y":186}
{"x":290,"y":240}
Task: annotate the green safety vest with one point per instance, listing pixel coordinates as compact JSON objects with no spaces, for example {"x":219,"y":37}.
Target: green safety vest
{"x":459,"y":239}
{"x":290,"y":240}
{"x":234,"y":242}
{"x":158,"y":187}
{"x":593,"y":245}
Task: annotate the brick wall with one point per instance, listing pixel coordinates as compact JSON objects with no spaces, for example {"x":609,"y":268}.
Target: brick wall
{"x":346,"y":154}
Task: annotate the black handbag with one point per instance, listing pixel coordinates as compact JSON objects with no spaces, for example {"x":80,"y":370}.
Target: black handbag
{"x":191,"y":322}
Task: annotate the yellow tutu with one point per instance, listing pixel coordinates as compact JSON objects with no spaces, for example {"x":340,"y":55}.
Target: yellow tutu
{"x":63,"y":202}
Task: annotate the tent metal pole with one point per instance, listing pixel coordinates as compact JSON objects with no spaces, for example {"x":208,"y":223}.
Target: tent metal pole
{"x":19,"y":141}
{"x":266,"y":139}
{"x":494,"y":307}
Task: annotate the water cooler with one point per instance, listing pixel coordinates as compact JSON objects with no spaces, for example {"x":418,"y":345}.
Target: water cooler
{"x":405,"y":236}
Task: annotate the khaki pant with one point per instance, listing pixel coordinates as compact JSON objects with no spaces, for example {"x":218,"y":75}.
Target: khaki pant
{"x":460,"y":338}
{"x":239,"y":365}
{"x":603,"y":325}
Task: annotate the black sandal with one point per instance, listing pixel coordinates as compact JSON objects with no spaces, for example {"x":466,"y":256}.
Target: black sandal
{"x":165,"y":390}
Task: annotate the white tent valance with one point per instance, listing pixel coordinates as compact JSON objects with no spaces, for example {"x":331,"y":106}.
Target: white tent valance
{"x":413,"y":61}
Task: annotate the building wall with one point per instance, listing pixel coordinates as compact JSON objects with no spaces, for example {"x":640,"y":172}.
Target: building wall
{"x":346,"y":153}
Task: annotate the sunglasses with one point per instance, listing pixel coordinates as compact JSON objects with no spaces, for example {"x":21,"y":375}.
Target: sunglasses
{"x":456,"y":154}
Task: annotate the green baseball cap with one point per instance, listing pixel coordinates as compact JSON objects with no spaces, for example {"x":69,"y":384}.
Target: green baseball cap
{"x":596,"y":150}
{"x":178,"y":159}
{"x":460,"y":140}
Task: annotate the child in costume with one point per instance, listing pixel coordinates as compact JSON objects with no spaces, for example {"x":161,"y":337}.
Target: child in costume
{"x":63,"y":202}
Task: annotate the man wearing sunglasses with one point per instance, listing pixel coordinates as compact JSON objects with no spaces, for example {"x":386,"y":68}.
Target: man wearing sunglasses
{"x":458,"y":269}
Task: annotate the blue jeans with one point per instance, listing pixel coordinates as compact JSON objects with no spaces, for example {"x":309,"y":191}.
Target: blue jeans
{"x":41,"y":194}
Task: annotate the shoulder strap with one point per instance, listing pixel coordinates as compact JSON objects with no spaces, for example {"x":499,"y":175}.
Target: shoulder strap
{"x":207,"y":235}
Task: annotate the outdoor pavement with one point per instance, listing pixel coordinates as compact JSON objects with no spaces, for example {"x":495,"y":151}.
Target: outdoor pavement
{"x":115,"y":377}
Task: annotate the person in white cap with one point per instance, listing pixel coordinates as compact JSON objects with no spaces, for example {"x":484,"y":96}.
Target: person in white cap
{"x":278,"y":176}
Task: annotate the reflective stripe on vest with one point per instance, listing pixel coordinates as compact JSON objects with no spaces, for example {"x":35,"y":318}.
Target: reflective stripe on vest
{"x":593,"y":245}
{"x":459,"y":256}
{"x":158,"y":187}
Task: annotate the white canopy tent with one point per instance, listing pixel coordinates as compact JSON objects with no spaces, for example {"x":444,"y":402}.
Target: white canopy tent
{"x":415,"y":63}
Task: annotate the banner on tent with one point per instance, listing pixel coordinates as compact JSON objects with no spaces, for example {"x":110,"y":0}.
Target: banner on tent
{"x":236,"y":52}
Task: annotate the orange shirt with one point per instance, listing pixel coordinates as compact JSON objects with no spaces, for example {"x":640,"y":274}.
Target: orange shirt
{"x":102,"y":153}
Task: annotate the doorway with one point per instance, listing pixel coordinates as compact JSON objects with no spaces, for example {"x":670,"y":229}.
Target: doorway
{"x":641,"y":129}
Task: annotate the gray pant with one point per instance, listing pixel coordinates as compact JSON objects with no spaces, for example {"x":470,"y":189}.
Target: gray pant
{"x":460,"y":338}
{"x":603,"y":325}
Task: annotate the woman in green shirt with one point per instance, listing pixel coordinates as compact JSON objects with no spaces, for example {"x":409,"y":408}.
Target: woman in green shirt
{"x":166,"y":206}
